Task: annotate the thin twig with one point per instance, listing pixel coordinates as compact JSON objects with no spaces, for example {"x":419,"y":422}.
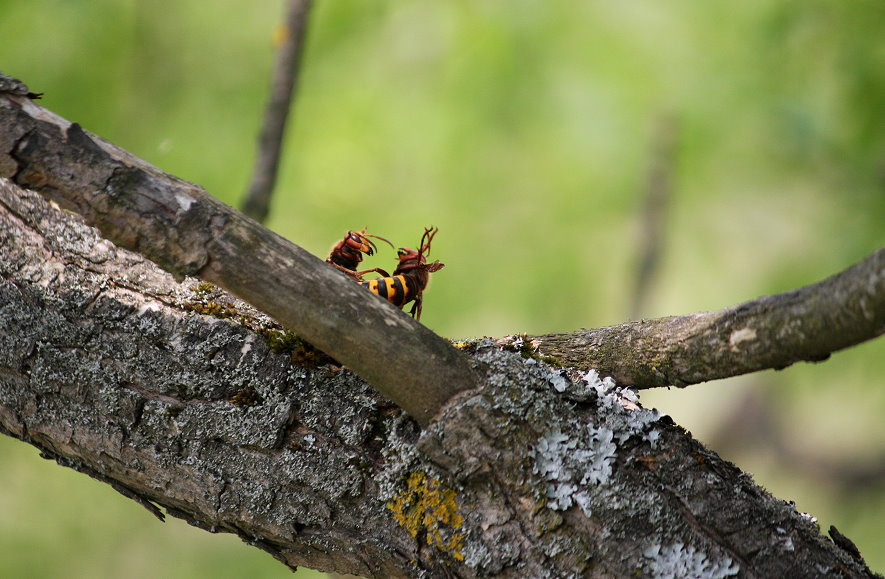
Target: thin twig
{"x":270,"y":140}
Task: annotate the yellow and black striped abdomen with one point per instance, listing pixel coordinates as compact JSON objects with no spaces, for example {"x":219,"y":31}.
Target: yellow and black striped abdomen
{"x":395,"y":289}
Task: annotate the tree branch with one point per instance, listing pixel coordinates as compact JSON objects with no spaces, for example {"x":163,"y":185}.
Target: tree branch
{"x":806,"y":324}
{"x":180,"y":227}
{"x":270,"y":141}
{"x":109,"y":366}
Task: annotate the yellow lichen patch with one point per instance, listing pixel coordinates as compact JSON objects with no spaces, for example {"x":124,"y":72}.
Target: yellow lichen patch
{"x":426,"y":506}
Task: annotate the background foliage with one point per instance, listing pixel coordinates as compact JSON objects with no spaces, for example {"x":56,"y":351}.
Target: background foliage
{"x":523,"y":131}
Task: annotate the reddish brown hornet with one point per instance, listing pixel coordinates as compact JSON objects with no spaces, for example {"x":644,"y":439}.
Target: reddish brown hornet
{"x":347,"y":254}
{"x":410,"y":278}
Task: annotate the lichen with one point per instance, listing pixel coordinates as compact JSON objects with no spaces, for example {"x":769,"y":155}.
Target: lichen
{"x":428,"y":507}
{"x":571,"y":467}
{"x":213,"y":301}
{"x":680,"y":560}
{"x":621,"y":409}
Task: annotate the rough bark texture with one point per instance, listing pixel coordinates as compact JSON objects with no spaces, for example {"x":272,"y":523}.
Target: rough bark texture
{"x":807,"y":324}
{"x":180,"y":227}
{"x":107,"y":365}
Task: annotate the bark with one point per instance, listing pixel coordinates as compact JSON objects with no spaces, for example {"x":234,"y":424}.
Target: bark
{"x":807,"y":324}
{"x":110,"y":366}
{"x":187,"y":232}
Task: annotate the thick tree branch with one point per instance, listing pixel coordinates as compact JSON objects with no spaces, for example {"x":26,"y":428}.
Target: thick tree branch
{"x":285,"y":79}
{"x":807,"y":324}
{"x":188,"y":233}
{"x":108,"y":366}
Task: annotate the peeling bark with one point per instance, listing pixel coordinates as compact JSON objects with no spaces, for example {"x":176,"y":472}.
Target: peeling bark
{"x":107,"y":365}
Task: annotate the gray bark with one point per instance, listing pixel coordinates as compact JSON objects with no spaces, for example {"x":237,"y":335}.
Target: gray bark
{"x":110,"y":366}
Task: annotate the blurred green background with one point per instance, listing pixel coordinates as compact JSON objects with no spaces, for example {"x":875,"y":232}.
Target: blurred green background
{"x":524,"y":130}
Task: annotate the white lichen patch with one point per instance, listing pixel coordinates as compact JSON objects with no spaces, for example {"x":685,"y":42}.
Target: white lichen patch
{"x":621,"y":410}
{"x":572,"y":466}
{"x":678,"y":560}
{"x":559,"y":382}
{"x":247,"y":345}
{"x":577,"y":468}
{"x":809,"y":517}
{"x":146,"y":307}
{"x":400,"y":457}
